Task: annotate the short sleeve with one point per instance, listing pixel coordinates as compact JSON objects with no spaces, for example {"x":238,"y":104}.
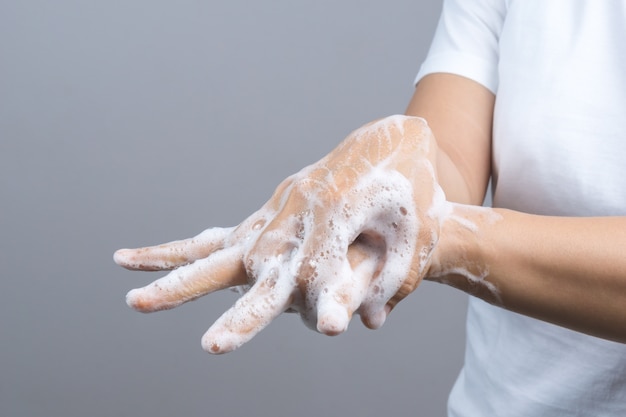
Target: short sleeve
{"x":466,"y":41}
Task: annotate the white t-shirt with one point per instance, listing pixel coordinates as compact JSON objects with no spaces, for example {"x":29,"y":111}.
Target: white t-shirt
{"x":558,"y":69}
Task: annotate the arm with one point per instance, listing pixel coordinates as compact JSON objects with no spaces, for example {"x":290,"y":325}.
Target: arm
{"x":568,"y":271}
{"x":460,"y":113}
{"x":564,"y":270}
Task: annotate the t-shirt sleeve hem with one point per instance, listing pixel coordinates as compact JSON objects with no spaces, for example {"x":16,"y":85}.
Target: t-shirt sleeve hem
{"x":474,"y":68}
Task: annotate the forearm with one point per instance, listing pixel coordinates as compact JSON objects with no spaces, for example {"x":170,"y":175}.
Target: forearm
{"x":459,"y":111}
{"x":556,"y":269}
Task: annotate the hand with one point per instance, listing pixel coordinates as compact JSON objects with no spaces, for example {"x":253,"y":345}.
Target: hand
{"x":352,"y":233}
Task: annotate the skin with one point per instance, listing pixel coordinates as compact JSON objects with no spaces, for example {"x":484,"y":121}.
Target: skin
{"x":358,"y":231}
{"x":567,"y":271}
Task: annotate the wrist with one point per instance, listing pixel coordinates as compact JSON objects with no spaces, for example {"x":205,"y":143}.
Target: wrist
{"x":461,"y":256}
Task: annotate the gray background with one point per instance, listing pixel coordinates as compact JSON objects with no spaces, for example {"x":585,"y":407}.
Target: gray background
{"x":128,"y":123}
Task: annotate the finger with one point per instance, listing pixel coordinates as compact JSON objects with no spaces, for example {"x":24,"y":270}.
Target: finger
{"x":395,"y":281}
{"x":222,"y":269}
{"x":374,"y":312}
{"x":427,"y":241}
{"x":325,"y":278}
{"x":367,"y":256}
{"x":336,"y":306}
{"x":334,"y":309}
{"x":266,"y":300}
{"x":173,"y":254}
{"x":340,"y":299}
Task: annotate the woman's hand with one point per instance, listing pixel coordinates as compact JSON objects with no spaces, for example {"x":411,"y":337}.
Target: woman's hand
{"x":352,"y":233}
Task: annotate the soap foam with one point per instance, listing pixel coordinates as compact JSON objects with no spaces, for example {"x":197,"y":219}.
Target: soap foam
{"x":315,"y":270}
{"x":458,"y":213}
{"x":300,"y":260}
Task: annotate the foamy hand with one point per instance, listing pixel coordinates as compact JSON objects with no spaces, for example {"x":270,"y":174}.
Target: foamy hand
{"x":352,"y":233}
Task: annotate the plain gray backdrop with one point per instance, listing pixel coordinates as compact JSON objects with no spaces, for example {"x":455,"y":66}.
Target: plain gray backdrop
{"x":130,"y":123}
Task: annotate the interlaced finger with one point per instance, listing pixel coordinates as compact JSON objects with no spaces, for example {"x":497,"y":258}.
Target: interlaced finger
{"x":341,"y":297}
{"x":324,"y":276}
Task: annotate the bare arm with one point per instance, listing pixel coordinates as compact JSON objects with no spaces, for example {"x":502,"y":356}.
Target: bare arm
{"x":564,"y":270}
{"x":568,"y":271}
{"x":460,"y":113}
